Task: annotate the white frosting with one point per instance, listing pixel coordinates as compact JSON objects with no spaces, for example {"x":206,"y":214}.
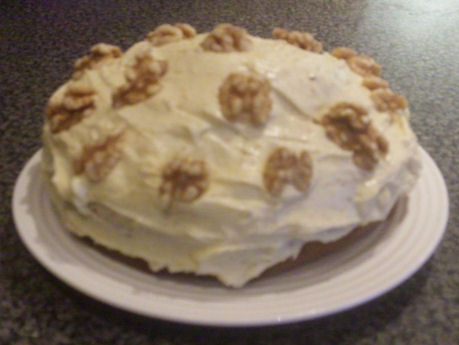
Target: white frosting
{"x":236,"y":229}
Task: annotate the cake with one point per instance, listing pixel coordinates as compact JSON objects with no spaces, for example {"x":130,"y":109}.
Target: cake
{"x":223,"y":153}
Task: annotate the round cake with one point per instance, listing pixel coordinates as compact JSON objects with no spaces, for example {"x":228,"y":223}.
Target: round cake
{"x":223,"y":153}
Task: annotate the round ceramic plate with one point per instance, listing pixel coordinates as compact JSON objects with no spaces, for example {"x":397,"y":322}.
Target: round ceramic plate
{"x":376,"y":264}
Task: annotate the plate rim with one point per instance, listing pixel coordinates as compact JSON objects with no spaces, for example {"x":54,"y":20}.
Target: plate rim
{"x":19,"y":192}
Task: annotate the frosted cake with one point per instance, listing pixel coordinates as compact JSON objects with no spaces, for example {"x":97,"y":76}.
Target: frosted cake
{"x":223,"y":153}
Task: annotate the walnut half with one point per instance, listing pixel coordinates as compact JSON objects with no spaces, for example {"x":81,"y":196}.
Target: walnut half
{"x":360,"y":64}
{"x":348,"y":126}
{"x":77,"y":103}
{"x":97,"y":161}
{"x":373,"y":83}
{"x":245,"y":97}
{"x":227,"y":38}
{"x":364,"y":65}
{"x":343,"y":53}
{"x":167,"y":33}
{"x":303,"y":40}
{"x":98,"y":53}
{"x":283,"y":167}
{"x":386,"y":100}
{"x":184,"y":180}
{"x":142,"y":80}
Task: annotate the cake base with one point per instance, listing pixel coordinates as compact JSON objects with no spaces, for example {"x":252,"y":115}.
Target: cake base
{"x":311,"y":252}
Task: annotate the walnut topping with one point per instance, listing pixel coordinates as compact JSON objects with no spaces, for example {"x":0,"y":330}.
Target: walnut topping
{"x":142,"y":80}
{"x":167,"y":33}
{"x":343,"y":53}
{"x":373,"y":83}
{"x":187,"y":30}
{"x":245,"y":98}
{"x":389,"y":101}
{"x":283,"y":167}
{"x":227,"y":38}
{"x":348,"y":126}
{"x":360,"y":64}
{"x":303,"y":40}
{"x":364,"y":65}
{"x":97,"y":161}
{"x":77,"y":103}
{"x":98,"y":53}
{"x":184,"y":180}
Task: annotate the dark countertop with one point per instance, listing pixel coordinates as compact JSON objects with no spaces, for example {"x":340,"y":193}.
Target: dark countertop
{"x":415,"y":41}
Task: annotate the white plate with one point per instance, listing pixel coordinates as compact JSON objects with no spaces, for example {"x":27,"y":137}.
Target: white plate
{"x":376,"y":264}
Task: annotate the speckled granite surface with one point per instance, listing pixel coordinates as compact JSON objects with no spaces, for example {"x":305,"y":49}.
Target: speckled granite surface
{"x":415,"y":41}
